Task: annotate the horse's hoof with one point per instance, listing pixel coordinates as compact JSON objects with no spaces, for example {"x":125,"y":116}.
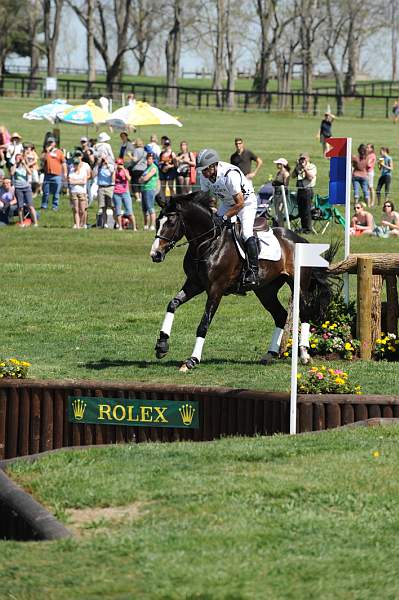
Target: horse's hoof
{"x":189,"y":364}
{"x":306,"y":359}
{"x":268,"y":359}
{"x":161,"y":348}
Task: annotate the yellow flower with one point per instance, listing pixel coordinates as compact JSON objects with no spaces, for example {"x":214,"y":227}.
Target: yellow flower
{"x":323,"y":369}
{"x":348,"y":346}
{"x":391,"y":348}
{"x":376,"y":454}
{"x":299,"y":375}
{"x":331,"y":371}
{"x":14,"y":361}
{"x":25,"y":364}
{"x":313,"y":370}
{"x":286,"y":354}
{"x":339,"y":380}
{"x":313,"y":345}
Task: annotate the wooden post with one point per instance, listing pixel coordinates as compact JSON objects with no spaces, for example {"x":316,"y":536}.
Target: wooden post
{"x":392,"y":305}
{"x":364,"y":283}
{"x":375,"y":309}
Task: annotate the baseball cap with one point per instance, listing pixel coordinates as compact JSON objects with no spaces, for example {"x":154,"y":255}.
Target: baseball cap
{"x":304,"y":155}
{"x":119,"y":161}
{"x":281,"y":161}
{"x":84,"y":139}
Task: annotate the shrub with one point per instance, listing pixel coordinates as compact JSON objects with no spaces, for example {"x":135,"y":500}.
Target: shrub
{"x":13,"y":368}
{"x":387,"y":347}
{"x":320,"y":380}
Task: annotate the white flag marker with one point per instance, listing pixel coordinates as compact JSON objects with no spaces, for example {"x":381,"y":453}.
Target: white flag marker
{"x":306,"y":255}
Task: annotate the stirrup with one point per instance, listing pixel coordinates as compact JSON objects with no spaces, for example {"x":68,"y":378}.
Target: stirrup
{"x":251,"y":277}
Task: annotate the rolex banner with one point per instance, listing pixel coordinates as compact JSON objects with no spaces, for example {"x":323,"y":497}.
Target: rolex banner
{"x":127,"y":411}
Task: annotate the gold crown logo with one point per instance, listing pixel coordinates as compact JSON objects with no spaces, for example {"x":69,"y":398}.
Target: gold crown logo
{"x":187,"y":413}
{"x":79,"y":408}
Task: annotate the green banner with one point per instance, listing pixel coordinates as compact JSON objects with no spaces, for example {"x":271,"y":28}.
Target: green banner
{"x":134,"y":412}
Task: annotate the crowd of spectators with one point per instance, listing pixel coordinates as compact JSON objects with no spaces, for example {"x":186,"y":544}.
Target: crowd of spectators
{"x":116,"y":183}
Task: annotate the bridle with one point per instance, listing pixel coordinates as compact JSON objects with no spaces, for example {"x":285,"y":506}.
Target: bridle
{"x":216,"y":229}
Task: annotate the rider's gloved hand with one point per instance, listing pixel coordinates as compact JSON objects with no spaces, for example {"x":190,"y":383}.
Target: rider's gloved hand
{"x":227,"y":222}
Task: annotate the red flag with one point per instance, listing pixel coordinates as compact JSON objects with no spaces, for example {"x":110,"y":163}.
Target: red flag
{"x":338,"y":147}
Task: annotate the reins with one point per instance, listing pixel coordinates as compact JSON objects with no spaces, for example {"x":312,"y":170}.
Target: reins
{"x":173,"y":244}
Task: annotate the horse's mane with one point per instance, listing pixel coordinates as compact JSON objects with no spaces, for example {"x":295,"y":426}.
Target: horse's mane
{"x":200,"y":199}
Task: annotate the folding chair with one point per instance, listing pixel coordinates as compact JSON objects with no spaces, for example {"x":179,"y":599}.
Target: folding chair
{"x":323,"y":214}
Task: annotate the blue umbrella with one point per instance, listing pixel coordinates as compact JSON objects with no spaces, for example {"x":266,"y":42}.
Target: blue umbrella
{"x":48,"y":111}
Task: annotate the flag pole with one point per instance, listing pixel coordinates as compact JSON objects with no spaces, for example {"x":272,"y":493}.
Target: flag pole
{"x":348,"y":187}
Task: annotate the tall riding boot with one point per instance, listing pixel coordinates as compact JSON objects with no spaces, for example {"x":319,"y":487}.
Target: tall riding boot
{"x":251,"y":275}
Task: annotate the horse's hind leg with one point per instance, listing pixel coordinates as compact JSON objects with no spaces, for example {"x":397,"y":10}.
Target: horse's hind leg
{"x":211,"y":307}
{"x":188,"y":291}
{"x":269,"y":299}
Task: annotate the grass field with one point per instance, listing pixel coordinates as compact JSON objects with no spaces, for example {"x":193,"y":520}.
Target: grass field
{"x":89,"y":304}
{"x":305,"y":518}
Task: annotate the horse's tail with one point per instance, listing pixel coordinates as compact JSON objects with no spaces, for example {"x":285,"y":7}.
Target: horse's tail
{"x":323,"y":287}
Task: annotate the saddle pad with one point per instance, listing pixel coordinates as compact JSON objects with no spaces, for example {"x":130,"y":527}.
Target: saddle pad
{"x":269,"y":245}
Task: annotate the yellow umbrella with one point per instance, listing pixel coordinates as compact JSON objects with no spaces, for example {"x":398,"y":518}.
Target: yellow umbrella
{"x":139,"y":114}
{"x":84,"y":114}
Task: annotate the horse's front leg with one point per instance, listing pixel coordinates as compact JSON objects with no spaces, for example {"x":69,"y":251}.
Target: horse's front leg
{"x":210,"y":310}
{"x":188,"y":291}
{"x":304,"y":343}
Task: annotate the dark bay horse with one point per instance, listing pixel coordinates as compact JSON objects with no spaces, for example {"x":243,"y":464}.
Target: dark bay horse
{"x":212,"y":265}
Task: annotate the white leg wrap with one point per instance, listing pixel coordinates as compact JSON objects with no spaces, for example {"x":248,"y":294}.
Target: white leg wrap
{"x":197,"y":352}
{"x":305,"y":335}
{"x":167,"y":323}
{"x":276,"y":340}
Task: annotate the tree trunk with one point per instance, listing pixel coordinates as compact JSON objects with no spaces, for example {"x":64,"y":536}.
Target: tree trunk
{"x":217,"y":82}
{"x":52,"y":24}
{"x":262,"y":71}
{"x":172,"y":51}
{"x":351,"y":72}
{"x":307,"y":64}
{"x":231,"y":61}
{"x":394,"y":39}
{"x":91,"y":51}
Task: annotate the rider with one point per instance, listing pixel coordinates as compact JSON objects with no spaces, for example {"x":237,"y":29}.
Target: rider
{"x":227,"y":183}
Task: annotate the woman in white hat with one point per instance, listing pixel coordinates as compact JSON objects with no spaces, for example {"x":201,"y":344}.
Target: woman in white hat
{"x":13,"y":148}
{"x":103,"y":149}
{"x":280,"y":186}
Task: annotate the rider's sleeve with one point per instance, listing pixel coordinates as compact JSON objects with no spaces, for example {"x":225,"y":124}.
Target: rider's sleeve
{"x":233,"y":183}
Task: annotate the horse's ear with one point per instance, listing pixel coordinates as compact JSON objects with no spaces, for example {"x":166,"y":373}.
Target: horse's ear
{"x":160,"y":200}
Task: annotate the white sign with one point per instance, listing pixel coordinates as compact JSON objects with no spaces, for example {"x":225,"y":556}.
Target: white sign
{"x":51,"y":84}
{"x":306,"y":255}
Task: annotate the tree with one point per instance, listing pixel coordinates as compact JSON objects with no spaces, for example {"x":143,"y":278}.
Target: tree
{"x":146,"y":23}
{"x":172,"y":53}
{"x":333,"y":33}
{"x":52,"y":10}
{"x":10,"y":13}
{"x":111,"y":20}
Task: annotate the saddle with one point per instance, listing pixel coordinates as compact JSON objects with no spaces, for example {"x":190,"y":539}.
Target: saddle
{"x":260,"y":225}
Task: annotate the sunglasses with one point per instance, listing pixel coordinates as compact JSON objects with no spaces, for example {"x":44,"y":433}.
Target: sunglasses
{"x":358,"y":207}
{"x":388,"y":205}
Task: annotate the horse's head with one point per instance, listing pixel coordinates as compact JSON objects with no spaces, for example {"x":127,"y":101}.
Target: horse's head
{"x":170,"y":229}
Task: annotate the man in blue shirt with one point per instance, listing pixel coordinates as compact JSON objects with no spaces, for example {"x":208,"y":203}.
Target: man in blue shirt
{"x":106,"y":183}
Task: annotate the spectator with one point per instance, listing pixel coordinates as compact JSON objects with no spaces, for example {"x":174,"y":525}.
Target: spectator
{"x":20,"y":173}
{"x":87,"y":152}
{"x":127,"y":147}
{"x":32,"y":159}
{"x":281,"y":180}
{"x":137,"y":167}
{"x":149,"y":181}
{"x":167,"y":166}
{"x":78,"y":176}
{"x":325,"y":131}
{"x":106,"y":182}
{"x":242,"y":158}
{"x":13,"y":148}
{"x":184,"y":161}
{"x":385,"y":165}
{"x":154,"y":146}
{"x":8,"y":202}
{"x":131,"y":99}
{"x":103,"y":148}
{"x":55,"y":168}
{"x":371,"y":160}
{"x":395,"y":111}
{"x":306,"y":175}
{"x":360,"y":174}
{"x":390,"y":221}
{"x":122,"y":196}
{"x":362,"y":222}
{"x":4,"y":141}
